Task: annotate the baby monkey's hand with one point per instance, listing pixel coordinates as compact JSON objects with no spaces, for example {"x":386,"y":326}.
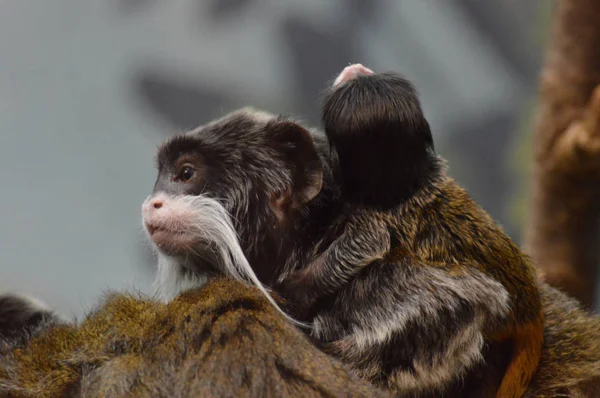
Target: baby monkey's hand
{"x":301,"y":288}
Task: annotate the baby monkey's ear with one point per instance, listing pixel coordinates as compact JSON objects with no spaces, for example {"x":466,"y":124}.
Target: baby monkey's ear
{"x":295,"y":146}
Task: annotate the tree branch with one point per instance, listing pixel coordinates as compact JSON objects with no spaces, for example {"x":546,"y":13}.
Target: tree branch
{"x":563,"y":232}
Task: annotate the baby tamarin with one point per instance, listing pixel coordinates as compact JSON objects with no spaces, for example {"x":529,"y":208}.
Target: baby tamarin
{"x":222,"y":340}
{"x":403,"y":211}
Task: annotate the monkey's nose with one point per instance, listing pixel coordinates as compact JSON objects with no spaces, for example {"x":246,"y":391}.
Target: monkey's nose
{"x":151,"y":205}
{"x":157,"y":203}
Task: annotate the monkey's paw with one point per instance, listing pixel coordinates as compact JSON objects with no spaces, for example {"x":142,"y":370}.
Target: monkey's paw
{"x":298,"y":289}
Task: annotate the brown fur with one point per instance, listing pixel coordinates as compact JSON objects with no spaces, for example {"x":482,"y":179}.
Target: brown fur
{"x":450,"y":269}
{"x":570,"y":362}
{"x":397,"y":196}
{"x":222,"y":340}
{"x":443,"y":228}
{"x":479,"y":242}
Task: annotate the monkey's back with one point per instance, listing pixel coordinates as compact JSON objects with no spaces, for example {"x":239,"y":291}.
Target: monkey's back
{"x":457,"y":233}
{"x":452,"y":229}
{"x":221,"y":340}
{"x":452,"y":278}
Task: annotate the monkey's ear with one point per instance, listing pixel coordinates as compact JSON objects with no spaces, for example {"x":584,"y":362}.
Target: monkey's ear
{"x":297,"y":150}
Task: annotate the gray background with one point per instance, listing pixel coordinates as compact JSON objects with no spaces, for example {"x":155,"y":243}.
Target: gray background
{"x":88,"y":89}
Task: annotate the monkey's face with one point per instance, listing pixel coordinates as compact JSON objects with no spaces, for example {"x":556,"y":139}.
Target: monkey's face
{"x":240,"y":177}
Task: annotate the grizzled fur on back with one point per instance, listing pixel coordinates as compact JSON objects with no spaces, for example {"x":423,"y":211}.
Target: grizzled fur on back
{"x":223,"y":340}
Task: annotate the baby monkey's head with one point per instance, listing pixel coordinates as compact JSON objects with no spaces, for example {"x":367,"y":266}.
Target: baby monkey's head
{"x":375,"y":123}
{"x":229,"y":190}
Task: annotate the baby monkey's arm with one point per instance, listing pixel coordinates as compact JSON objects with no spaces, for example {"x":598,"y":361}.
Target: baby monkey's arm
{"x":365,"y":239}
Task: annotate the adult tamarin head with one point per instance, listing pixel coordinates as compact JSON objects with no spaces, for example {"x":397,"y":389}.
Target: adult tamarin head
{"x":246,"y":176}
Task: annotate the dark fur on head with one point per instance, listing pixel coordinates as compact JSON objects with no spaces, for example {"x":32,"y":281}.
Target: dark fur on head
{"x":263,"y":183}
{"x":264,"y":169}
{"x":376,"y":125}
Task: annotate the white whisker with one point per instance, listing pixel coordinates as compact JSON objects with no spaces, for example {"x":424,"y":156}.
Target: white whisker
{"x":213,"y":223}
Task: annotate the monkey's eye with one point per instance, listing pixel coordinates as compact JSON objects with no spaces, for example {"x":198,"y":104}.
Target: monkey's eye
{"x":186,"y":173}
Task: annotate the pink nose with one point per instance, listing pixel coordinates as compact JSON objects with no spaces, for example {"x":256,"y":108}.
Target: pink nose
{"x":156,"y":203}
{"x":152,"y":205}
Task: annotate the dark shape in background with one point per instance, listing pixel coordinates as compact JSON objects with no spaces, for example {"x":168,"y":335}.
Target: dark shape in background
{"x":220,"y":9}
{"x":131,"y":6}
{"x":479,"y":151}
{"x":316,"y":53}
{"x":507,"y":26}
{"x":360,"y":10}
{"x":315,"y":57}
{"x":184,"y":103}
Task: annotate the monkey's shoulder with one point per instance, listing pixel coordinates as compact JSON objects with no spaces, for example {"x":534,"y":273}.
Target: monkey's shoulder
{"x":359,"y":219}
{"x":452,"y":225}
{"x":452,"y":230}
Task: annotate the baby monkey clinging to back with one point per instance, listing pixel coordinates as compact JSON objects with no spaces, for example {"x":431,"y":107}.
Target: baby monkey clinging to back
{"x":402,"y":210}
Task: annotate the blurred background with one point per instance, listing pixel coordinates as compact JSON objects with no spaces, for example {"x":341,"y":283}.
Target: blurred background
{"x":88,"y":89}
